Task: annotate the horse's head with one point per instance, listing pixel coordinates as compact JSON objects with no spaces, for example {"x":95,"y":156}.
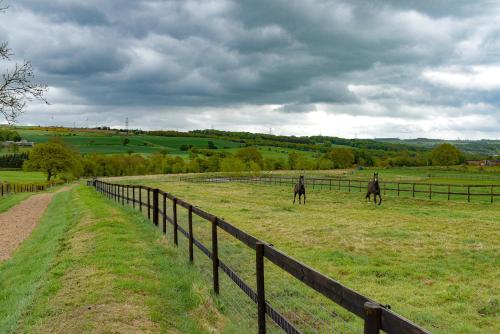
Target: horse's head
{"x":375,"y":177}
{"x":301,"y":179}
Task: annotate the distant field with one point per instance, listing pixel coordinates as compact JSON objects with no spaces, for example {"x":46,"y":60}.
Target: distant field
{"x":433,"y":262}
{"x":453,"y":175}
{"x":21,"y":176}
{"x":110,"y":143}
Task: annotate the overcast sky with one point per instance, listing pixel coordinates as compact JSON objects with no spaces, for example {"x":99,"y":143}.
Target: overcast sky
{"x":343,"y":68}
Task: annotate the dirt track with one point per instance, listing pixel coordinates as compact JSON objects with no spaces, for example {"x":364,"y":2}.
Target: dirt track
{"x":17,"y":223}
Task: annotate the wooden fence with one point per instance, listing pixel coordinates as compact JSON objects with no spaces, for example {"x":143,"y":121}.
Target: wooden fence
{"x":376,"y":316}
{"x":7,"y":188}
{"x":410,"y":189}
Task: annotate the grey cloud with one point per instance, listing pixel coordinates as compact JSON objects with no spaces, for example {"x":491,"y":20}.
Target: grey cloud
{"x":297,"y":55}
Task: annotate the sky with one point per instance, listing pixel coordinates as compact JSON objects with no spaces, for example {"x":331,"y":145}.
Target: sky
{"x":351,"y":69}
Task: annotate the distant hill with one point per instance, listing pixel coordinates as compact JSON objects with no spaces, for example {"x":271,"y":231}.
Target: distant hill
{"x":484,"y":146}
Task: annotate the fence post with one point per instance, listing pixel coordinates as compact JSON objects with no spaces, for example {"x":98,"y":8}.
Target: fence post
{"x":190,"y":226}
{"x":128,"y":195}
{"x":349,"y":185}
{"x":372,"y":318}
{"x":123,"y":194}
{"x":430,"y":190}
{"x":133,"y":197}
{"x":149,"y":202}
{"x":413,"y":190}
{"x":215,"y":256}
{"x":174,"y":209}
{"x":155,"y":206}
{"x":140,"y":198}
{"x":448,"y":192}
{"x":164,"y":213}
{"x":261,"y":295}
{"x":468,"y":193}
{"x":398,"y":189}
{"x":385,"y":187}
{"x":491,"y":193}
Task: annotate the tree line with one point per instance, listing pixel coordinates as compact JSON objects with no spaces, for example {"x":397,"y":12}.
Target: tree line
{"x":57,"y":159}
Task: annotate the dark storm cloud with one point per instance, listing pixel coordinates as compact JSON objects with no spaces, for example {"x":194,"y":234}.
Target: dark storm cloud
{"x":377,"y":58}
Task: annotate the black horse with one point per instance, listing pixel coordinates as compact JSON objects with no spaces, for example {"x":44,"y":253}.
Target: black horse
{"x":300,"y":189}
{"x":374,"y":188}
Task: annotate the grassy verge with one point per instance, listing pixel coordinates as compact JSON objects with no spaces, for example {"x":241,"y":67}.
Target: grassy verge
{"x":91,"y":266}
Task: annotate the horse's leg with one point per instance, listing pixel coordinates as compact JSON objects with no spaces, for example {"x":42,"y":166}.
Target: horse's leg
{"x":294,"y":195}
{"x":375,"y":198}
{"x":380,"y":197}
{"x":304,"y":198}
{"x":300,"y":198}
{"x":368,"y":196}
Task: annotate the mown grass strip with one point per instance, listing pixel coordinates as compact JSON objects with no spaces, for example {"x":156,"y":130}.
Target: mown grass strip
{"x":115,"y":273}
{"x":21,"y":275}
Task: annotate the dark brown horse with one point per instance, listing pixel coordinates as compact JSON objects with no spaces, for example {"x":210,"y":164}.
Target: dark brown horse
{"x":374,"y":188}
{"x":300,"y":189}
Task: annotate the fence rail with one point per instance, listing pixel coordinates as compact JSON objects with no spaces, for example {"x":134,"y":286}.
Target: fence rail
{"x":430,"y":190}
{"x":376,"y":317}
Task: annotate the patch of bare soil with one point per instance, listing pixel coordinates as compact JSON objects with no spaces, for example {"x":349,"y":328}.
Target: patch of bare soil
{"x":17,"y":223}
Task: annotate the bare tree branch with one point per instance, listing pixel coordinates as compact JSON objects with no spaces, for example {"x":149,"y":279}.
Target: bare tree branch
{"x":17,"y":86}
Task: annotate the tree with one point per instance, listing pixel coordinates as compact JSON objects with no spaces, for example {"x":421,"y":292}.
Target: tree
{"x":52,"y":158}
{"x":445,"y":155}
{"x":250,"y":154}
{"x":340,"y":157}
{"x":211,"y":145}
{"x":16,"y":85}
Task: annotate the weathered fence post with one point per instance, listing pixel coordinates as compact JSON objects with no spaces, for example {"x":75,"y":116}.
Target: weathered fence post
{"x":413,"y":190}
{"x":448,"y":192}
{"x":330,"y":184}
{"x":372,"y":318}
{"x":215,"y":256}
{"x":174,"y":210}
{"x":164,"y":213}
{"x":149,"y":202}
{"x":140,"y":198}
{"x":190,"y":227}
{"x":261,"y":295}
{"x":468,"y":193}
{"x":349,"y":185}
{"x":430,"y":190}
{"x":128,"y":194}
{"x":133,"y":197}
{"x":155,"y":206}
{"x":123,"y":194}
{"x":492,"y":194}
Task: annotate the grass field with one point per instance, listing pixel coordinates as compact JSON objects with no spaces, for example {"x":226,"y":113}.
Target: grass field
{"x":15,"y":176}
{"x":112,"y":143}
{"x":93,"y":267}
{"x":433,"y":262}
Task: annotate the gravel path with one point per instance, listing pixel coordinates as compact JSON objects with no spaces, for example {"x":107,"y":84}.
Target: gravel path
{"x":17,"y":223}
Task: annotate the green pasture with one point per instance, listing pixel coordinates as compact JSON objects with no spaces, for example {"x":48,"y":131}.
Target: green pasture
{"x":15,"y":176}
{"x":112,"y":143}
{"x":435,"y":262}
{"x":451,"y":175}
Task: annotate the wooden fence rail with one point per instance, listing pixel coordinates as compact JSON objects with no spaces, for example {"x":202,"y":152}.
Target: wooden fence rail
{"x":428,"y":189}
{"x":376,"y":317}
